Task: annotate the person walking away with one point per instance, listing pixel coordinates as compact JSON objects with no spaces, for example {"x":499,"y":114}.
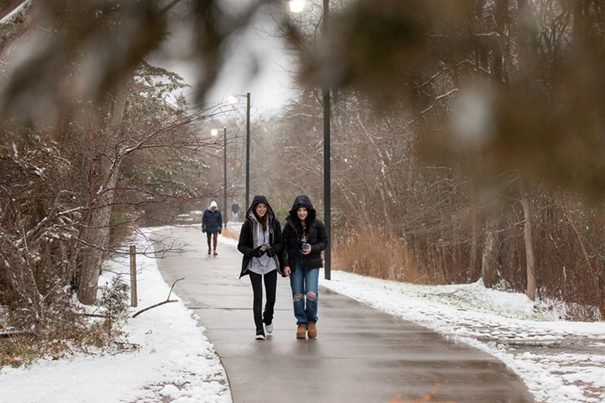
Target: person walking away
{"x":212,"y":224}
{"x":304,"y":238}
{"x":235,"y":210}
{"x":260,"y":242}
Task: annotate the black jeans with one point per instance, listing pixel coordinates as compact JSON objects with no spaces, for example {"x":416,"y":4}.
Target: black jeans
{"x":257,"y":288}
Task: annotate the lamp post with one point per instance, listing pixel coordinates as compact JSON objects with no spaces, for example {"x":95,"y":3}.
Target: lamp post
{"x":233,"y":100}
{"x":214,"y":132}
{"x":297,"y":6}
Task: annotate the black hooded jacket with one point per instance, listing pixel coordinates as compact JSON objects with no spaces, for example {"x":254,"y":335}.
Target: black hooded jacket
{"x":246,"y":236}
{"x":316,"y":231}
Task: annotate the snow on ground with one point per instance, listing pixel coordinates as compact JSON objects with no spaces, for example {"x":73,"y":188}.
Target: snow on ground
{"x":174,"y":362}
{"x":559,"y":361}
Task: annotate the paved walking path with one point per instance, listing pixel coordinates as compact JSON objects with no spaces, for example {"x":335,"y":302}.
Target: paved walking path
{"x":361,"y":354}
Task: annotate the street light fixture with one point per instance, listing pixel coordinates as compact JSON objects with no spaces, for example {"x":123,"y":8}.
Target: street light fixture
{"x":233,"y":100}
{"x":214,"y":132}
{"x":297,"y":6}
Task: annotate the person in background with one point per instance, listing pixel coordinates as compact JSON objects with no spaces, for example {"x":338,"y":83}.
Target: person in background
{"x":304,"y":238}
{"x":212,"y":224}
{"x":235,"y":210}
{"x":260,"y":243}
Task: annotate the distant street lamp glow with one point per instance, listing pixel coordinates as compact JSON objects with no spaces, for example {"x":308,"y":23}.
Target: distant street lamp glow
{"x":296,"y":6}
{"x":232,"y":99}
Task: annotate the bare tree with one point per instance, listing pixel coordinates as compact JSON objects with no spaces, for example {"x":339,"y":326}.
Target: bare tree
{"x":529,"y":247}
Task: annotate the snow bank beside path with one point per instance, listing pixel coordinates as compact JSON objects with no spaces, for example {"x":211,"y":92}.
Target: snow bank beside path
{"x":175,"y":359}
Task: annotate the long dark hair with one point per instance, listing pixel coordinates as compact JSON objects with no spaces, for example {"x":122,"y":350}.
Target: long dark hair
{"x":262,"y":220}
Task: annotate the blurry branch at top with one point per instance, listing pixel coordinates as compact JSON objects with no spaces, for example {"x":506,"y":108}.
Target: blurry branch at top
{"x":63,"y":51}
{"x":517,"y":85}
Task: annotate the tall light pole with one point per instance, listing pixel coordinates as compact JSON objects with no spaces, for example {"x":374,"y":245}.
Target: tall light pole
{"x":233,"y":100}
{"x":215,"y":133}
{"x":297,"y":6}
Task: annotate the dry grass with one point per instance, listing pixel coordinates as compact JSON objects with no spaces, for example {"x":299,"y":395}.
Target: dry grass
{"x":66,"y":328}
{"x":25,"y":349}
{"x":230,"y":233}
{"x":18,"y":350}
{"x":378,"y":255}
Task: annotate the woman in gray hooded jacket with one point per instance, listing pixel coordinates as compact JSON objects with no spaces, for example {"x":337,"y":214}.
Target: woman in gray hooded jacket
{"x":260,"y":242}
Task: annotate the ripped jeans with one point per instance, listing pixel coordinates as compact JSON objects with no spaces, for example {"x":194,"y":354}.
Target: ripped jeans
{"x":304,"y":284}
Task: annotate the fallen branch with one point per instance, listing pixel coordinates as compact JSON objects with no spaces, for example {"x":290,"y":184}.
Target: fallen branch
{"x":16,"y":333}
{"x":161,"y":303}
{"x":94,"y":315}
{"x":153,"y":306}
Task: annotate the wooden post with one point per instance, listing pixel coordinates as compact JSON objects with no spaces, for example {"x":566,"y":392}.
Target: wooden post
{"x":133,"y":276}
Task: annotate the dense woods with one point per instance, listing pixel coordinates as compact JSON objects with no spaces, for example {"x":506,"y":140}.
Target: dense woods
{"x":467,"y":141}
{"x":78,"y":175}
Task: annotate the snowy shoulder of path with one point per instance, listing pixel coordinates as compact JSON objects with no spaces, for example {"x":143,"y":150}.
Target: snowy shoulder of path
{"x":10,"y":16}
{"x":174,"y":359}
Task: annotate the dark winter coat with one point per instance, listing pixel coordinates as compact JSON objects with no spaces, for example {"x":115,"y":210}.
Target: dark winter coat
{"x":212,"y":221}
{"x":317,"y":236}
{"x":246,"y":236}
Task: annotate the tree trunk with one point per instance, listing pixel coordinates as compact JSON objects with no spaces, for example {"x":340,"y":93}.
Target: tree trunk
{"x":97,"y":240}
{"x":489,"y":259}
{"x":591,"y":271}
{"x":96,"y":236}
{"x":529,"y":249}
{"x":472,"y":270}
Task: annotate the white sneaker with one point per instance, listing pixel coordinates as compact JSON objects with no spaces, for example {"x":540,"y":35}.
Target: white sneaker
{"x":269,"y":328}
{"x":260,"y":337}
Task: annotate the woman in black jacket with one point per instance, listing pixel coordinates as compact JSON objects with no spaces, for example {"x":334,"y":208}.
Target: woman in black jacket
{"x":304,"y":238}
{"x":260,"y":242}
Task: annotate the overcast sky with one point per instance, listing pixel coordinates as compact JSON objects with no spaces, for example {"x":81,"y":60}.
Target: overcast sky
{"x":256,"y":63}
{"x":271,"y":87}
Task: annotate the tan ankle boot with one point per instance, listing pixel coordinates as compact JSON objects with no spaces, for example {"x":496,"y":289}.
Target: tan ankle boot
{"x":301,"y":332}
{"x":312,"y":330}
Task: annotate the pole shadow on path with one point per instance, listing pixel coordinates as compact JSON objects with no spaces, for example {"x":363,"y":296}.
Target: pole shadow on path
{"x":361,"y":354}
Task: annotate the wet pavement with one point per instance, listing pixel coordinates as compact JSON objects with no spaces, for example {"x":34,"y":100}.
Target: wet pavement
{"x":361,"y":354}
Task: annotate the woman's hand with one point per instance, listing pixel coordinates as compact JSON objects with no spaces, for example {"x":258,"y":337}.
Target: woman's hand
{"x":258,"y":252}
{"x":307,"y":250}
{"x":287,"y":271}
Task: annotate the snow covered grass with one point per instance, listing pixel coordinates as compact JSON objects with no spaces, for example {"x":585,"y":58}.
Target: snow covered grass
{"x":10,"y":17}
